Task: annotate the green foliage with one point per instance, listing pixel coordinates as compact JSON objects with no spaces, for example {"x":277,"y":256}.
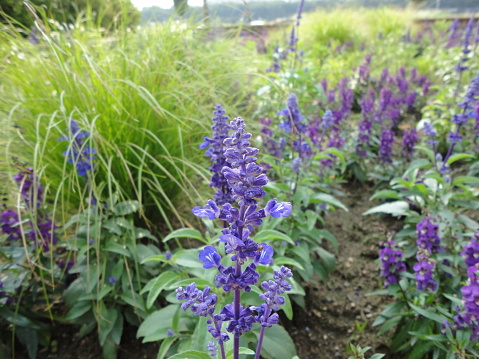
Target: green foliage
{"x":146,"y":98}
{"x":106,"y":13}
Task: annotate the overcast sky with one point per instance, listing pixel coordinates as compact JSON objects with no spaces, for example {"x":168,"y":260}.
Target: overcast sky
{"x":165,"y":4}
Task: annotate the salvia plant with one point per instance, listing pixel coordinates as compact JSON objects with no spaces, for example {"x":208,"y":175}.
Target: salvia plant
{"x":431,"y":264}
{"x":103,"y":272}
{"x":30,"y":270}
{"x":245,"y":179}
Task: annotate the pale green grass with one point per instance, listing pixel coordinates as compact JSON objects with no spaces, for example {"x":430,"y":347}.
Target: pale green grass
{"x":146,"y":96}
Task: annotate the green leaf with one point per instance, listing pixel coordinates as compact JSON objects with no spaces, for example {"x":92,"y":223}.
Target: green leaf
{"x":200,"y":336}
{"x":420,"y":350}
{"x":191,"y":354}
{"x":187,"y":258}
{"x":78,"y":309}
{"x":327,"y":259}
{"x":465,"y":179}
{"x":327,"y":198}
{"x":419,"y":163}
{"x":459,"y":156}
{"x":324,"y":233}
{"x":427,"y":151}
{"x":268,"y":235}
{"x":160,"y":283}
{"x":158,"y":321}
{"x":164,"y":347}
{"x":288,"y":261}
{"x":287,"y":307}
{"x":112,"y":227}
{"x":242,"y":350}
{"x":144,"y":233}
{"x":110,"y":349}
{"x":185,"y":233}
{"x":106,"y":321}
{"x":115,"y":334}
{"x":117,"y":248}
{"x":126,"y":207}
{"x":29,"y":338}
{"x":386,"y":193}
{"x":428,"y":314}
{"x":134,"y":299}
{"x":396,"y":208}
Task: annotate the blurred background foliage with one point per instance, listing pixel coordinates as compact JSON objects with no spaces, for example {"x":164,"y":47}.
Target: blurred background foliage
{"x":104,"y":13}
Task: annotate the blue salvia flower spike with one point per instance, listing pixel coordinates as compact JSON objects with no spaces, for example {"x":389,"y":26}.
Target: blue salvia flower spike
{"x":246,"y":179}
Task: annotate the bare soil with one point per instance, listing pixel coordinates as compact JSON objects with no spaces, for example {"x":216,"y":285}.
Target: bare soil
{"x":340,"y":311}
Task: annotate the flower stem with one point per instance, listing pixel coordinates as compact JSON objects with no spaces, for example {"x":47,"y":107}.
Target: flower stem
{"x":261,"y":335}
{"x":237,"y":314}
{"x":220,"y":342}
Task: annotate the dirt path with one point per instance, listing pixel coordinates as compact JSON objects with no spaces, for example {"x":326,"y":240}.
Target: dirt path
{"x":339,"y":312}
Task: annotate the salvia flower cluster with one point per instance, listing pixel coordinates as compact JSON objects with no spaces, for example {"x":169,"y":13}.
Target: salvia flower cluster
{"x":391,"y":263}
{"x":41,"y":231}
{"x":79,"y":153}
{"x":468,"y":316}
{"x":245,"y":179}
{"x":428,"y":242}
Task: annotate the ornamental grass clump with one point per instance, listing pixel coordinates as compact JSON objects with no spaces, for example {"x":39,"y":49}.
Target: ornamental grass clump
{"x":245,"y":179}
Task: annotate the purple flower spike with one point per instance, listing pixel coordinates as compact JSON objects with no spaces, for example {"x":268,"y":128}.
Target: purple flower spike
{"x":391,"y":263}
{"x":385,"y":149}
{"x":410,"y":139}
{"x":293,"y":116}
{"x":245,"y":178}
{"x":78,"y":153}
{"x":328,"y":119}
{"x":209,"y":257}
{"x":216,"y":153}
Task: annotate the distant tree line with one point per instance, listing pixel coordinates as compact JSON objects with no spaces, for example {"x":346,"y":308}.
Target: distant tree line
{"x":271,"y":10}
{"x":106,"y":13}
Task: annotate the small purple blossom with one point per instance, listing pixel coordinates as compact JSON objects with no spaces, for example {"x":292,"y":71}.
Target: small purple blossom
{"x":43,"y":233}
{"x":471,"y":251}
{"x":294,"y":119}
{"x":209,"y":257}
{"x":296,"y":165}
{"x":424,"y":271}
{"x":11,"y":225}
{"x":328,"y":119}
{"x":427,"y":235}
{"x":391,"y":263}
{"x":30,"y":188}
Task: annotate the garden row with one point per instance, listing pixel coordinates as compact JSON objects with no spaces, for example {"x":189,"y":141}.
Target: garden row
{"x":105,"y":161}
